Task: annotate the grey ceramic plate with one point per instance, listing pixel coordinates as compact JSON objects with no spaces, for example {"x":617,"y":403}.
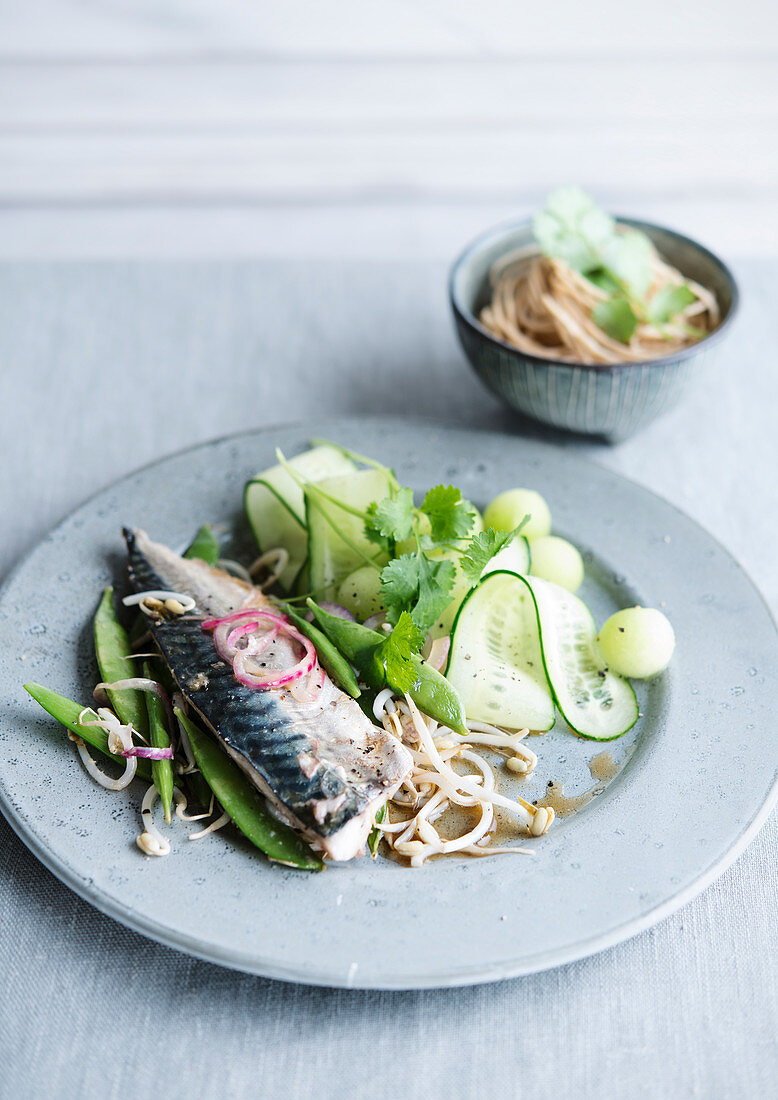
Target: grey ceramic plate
{"x":697,"y":778}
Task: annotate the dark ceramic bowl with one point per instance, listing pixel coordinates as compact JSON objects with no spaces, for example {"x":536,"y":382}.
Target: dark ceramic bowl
{"x":607,"y":400}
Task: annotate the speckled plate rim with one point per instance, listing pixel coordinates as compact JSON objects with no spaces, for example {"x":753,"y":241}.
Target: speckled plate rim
{"x":267,"y":965}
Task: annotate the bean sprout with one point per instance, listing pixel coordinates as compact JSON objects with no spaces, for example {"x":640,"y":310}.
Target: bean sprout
{"x":119,"y":739}
{"x":181,"y":804}
{"x":151,"y":841}
{"x":433,"y":786}
{"x":382,"y":702}
{"x":219,"y":823}
{"x":277,"y":555}
{"x":156,"y":600}
{"x":235,"y":569}
{"x":139,"y":683}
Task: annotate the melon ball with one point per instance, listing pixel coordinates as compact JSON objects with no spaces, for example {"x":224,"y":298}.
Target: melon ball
{"x":555,"y":559}
{"x":508,"y":509}
{"x":637,"y":642}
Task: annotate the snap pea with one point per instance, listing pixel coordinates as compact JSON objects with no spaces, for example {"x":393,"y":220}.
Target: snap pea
{"x":115,"y":661}
{"x":67,"y":712}
{"x":336,"y":665}
{"x":244,"y":805}
{"x":159,"y":738}
{"x":432,"y":693}
{"x":375,"y":833}
{"x":204,"y":546}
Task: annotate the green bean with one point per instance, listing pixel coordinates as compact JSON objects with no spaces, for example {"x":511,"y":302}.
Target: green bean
{"x":244,"y":804}
{"x":205,"y":546}
{"x":431,"y":692}
{"x":159,"y":738}
{"x":336,"y":665}
{"x":115,"y":661}
{"x":375,"y":833}
{"x":67,"y":712}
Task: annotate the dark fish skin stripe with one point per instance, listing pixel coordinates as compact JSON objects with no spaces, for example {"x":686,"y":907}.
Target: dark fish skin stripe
{"x":266,"y":729}
{"x":143,"y":577}
{"x":254,"y":724}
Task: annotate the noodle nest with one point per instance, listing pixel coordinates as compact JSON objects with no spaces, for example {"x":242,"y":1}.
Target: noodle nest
{"x":543,"y":307}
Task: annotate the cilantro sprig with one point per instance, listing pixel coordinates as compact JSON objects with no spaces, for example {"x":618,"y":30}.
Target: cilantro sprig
{"x":618,"y":261}
{"x":482,"y":549}
{"x":395,"y":655}
{"x":419,"y":586}
{"x":417,"y":583}
{"x":390,"y":518}
{"x":450,"y":516}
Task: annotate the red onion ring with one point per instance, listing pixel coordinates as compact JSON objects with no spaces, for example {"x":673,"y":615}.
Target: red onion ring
{"x":438,"y":653}
{"x":149,"y":753}
{"x":226,"y":634}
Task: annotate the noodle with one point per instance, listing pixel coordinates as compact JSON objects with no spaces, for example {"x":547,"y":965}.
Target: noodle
{"x":543,"y":307}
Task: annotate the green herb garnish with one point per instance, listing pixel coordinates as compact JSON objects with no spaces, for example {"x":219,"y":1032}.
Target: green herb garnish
{"x":416,"y":586}
{"x":395,"y":654}
{"x":482,"y":548}
{"x":617,"y":260}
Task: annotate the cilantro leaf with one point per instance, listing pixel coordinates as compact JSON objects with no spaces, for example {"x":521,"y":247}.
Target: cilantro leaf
{"x":600,"y":277}
{"x":391,"y":518}
{"x":482,"y":548}
{"x":450,"y":516}
{"x":617,"y":318}
{"x":668,"y":301}
{"x":399,"y":585}
{"x":371,"y":530}
{"x":572,"y":228}
{"x":616,"y":259}
{"x":436,"y":580}
{"x":627,"y":256}
{"x":394,"y":655}
{"x":418,"y":585}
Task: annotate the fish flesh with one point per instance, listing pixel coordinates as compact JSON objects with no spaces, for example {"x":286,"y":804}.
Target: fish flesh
{"x":323,"y":766}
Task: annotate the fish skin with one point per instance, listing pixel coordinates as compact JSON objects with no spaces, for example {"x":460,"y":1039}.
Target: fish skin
{"x":323,"y":765}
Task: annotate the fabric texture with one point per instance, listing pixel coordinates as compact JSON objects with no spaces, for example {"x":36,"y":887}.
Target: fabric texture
{"x":108,"y":366}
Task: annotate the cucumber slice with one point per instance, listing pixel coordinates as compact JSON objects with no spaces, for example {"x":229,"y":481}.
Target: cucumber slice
{"x":594,"y":702}
{"x":275,"y":506}
{"x":336,"y":538}
{"x":505,"y":627}
{"x":495,"y":662}
{"x":513,"y":558}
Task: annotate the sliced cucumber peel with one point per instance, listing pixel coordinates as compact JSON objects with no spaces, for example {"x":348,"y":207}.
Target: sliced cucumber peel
{"x":337,"y":544}
{"x":275,"y":505}
{"x":595,"y":702}
{"x":495,"y":662}
{"x":520,"y":645}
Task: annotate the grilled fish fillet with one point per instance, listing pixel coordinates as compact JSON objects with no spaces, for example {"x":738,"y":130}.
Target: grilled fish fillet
{"x":323,"y":766}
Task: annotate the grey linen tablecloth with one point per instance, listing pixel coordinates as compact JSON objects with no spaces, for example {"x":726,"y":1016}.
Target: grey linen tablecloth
{"x":108,"y":366}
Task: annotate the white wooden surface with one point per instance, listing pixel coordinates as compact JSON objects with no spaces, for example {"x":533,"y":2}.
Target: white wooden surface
{"x":198,"y":127}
